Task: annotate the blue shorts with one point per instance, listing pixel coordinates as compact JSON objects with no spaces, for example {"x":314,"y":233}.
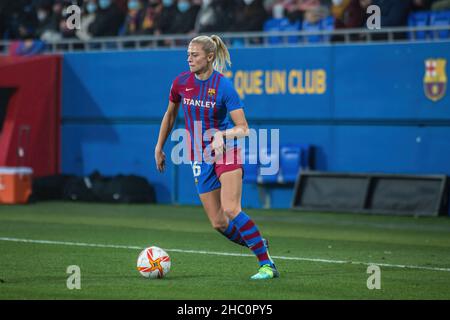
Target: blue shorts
{"x":206,"y":175}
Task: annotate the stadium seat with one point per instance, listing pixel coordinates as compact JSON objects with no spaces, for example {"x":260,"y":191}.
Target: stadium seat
{"x":290,"y":163}
{"x":267,"y":178}
{"x":250,"y":167}
{"x":440,"y":19}
{"x":292,"y":158}
{"x":419,"y":19}
{"x":306,"y":155}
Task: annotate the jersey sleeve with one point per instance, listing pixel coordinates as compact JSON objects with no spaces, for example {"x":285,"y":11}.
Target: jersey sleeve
{"x":174,"y":94}
{"x":231,"y":98}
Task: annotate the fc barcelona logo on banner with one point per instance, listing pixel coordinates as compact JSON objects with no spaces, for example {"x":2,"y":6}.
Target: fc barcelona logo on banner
{"x":211,"y":92}
{"x":435,"y":80}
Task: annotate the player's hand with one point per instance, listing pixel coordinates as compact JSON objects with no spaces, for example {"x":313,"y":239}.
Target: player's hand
{"x":218,"y":144}
{"x":160,"y":159}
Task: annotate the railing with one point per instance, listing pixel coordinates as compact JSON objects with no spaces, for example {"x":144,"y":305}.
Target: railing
{"x":250,"y":39}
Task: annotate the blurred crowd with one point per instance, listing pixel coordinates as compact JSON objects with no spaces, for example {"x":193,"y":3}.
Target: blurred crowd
{"x":46,"y":19}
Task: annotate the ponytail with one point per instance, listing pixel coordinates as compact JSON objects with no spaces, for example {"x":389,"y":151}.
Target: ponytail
{"x":222,"y":55}
{"x":217,"y":46}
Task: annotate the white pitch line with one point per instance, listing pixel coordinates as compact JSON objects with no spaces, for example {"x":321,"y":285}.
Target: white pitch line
{"x":81,"y":244}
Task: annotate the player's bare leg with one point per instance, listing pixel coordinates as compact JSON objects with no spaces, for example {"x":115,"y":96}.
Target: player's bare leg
{"x":231,"y":194}
{"x":219,"y":221}
{"x":213,"y":209}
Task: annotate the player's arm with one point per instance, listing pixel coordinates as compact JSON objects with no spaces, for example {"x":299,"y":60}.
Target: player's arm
{"x":167,"y":124}
{"x":240,"y":128}
{"x":235,"y":107}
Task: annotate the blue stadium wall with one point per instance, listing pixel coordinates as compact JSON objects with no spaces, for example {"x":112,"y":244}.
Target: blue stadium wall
{"x":363,"y":108}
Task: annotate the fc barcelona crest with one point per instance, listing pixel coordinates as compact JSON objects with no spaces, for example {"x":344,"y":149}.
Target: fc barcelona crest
{"x":211,"y":92}
{"x":435,"y":80}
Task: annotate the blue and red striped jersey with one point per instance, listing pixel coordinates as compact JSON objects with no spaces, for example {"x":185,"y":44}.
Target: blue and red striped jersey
{"x":206,"y":104}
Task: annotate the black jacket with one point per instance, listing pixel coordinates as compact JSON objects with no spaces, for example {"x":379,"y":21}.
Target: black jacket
{"x":107,"y":22}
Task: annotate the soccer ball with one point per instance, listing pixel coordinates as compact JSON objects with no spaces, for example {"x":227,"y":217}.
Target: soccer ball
{"x":153,"y":262}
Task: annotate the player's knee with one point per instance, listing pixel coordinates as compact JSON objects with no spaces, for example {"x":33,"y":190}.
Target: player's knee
{"x":231,"y":211}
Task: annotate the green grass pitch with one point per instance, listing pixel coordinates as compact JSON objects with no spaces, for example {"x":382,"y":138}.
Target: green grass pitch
{"x":319,"y":255}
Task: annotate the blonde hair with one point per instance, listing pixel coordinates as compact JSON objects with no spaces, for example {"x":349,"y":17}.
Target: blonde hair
{"x":217,"y":46}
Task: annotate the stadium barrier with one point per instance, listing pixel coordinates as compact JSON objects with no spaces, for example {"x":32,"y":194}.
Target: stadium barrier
{"x":412,"y":33}
{"x":371,"y":193}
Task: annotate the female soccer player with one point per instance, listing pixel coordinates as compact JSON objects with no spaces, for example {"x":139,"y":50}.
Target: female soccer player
{"x":207,"y":98}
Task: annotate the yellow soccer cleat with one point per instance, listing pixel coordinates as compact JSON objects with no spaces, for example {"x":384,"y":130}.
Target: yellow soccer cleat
{"x":266,"y":272}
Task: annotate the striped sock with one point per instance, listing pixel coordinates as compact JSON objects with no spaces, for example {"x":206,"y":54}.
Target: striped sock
{"x":233,"y":234}
{"x":251,"y":236}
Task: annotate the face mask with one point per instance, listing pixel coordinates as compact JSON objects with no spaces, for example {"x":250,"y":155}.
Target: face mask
{"x":337,"y":2}
{"x":133,"y":5}
{"x":183,"y":6}
{"x":104,"y":4}
{"x":91,"y":7}
{"x":278,"y":11}
{"x":248,"y":2}
{"x":167,"y":3}
{"x":41,"y":15}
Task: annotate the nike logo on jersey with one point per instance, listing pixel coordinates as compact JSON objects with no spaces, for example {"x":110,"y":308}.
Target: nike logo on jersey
{"x":189,"y":89}
{"x":199,"y":103}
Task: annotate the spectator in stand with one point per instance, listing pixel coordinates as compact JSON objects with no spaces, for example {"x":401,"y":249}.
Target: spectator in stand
{"x":108,"y":19}
{"x":214,"y":16}
{"x":87,"y":18}
{"x":316,"y":14}
{"x":3,"y":17}
{"x":305,"y":5}
{"x":20,"y":25}
{"x":393,"y":14}
{"x":250,"y":15}
{"x":184,"y":21}
{"x":275,"y":9}
{"x":49,"y":30}
{"x":441,"y":5}
{"x":135,"y":17}
{"x":268,"y":4}
{"x":64,"y":29}
{"x":168,"y":13}
{"x":278,"y":10}
{"x":295,"y":9}
{"x":421,"y":5}
{"x":21,"y":20}
{"x":347,"y":14}
{"x":151,"y":17}
{"x":45,"y":18}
